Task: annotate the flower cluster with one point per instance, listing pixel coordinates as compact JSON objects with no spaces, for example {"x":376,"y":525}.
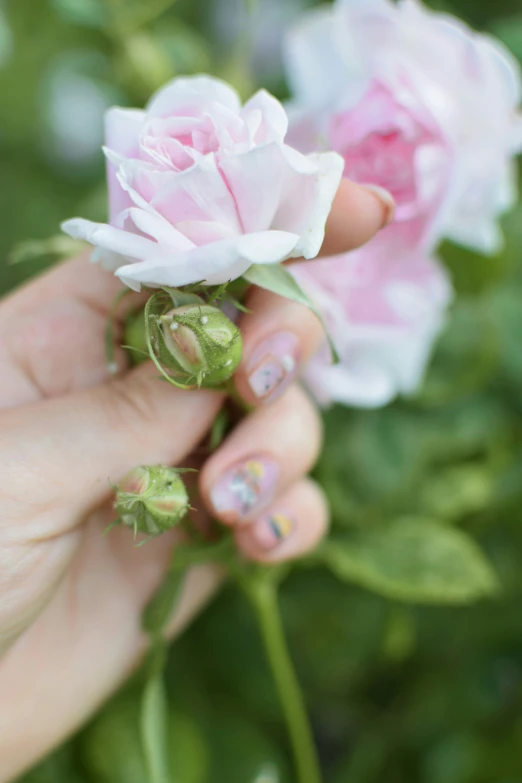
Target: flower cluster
{"x":416,"y":103}
{"x":203,"y":189}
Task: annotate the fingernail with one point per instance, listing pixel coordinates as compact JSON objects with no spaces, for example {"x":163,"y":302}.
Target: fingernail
{"x":269,"y":531}
{"x":273,"y":365}
{"x":245,"y":487}
{"x":387,"y":202}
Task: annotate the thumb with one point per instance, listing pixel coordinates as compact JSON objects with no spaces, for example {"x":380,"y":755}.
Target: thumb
{"x":59,"y":457}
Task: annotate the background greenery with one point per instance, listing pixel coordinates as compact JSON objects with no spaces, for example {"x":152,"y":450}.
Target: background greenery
{"x":412,"y":661}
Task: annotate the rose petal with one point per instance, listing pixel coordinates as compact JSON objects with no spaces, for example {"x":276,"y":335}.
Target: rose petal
{"x":215,"y":263}
{"x":198,"y":193}
{"x":275,"y":120}
{"x":192,"y":95}
{"x":122,"y":131}
{"x":307,"y":198}
{"x":155,"y":226}
{"x":110,"y":238}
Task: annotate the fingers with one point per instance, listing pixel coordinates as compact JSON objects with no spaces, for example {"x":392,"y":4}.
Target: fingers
{"x":358,"y":213}
{"x":279,"y":336}
{"x":255,"y":483}
{"x":290,"y":527}
{"x":266,"y":453}
{"x":52,"y":333}
{"x":77,"y":279}
{"x":81,"y":443}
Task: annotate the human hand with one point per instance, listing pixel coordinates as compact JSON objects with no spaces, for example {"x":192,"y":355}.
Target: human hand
{"x":72,"y":598}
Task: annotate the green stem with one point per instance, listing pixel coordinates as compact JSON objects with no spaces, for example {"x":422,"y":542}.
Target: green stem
{"x":154,"y":728}
{"x":263,"y":594}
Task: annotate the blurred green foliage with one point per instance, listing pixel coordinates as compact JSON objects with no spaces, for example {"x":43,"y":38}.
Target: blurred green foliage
{"x":426,"y":494}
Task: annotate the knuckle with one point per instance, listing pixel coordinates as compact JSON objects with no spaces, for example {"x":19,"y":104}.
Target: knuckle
{"x":131,"y":403}
{"x":302,"y":422}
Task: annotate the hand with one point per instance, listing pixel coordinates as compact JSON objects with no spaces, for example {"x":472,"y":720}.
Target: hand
{"x":72,"y":598}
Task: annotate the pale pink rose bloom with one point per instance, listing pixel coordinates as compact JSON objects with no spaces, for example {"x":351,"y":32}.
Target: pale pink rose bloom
{"x":417,"y":103}
{"x":202,"y":187}
{"x":384,"y":306}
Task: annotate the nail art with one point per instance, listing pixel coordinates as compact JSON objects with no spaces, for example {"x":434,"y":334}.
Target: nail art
{"x":243,"y":488}
{"x":270,"y":530}
{"x":273,"y":365}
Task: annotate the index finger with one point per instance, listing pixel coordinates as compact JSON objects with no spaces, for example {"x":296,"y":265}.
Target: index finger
{"x":73,"y":279}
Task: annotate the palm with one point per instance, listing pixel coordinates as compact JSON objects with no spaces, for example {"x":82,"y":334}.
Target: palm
{"x":92,"y":587}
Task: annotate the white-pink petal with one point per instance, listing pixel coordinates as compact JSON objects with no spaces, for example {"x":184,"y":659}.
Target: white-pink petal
{"x":214,"y":264}
{"x":193,"y":94}
{"x":110,"y":238}
{"x":274,"y":119}
{"x":122,"y":132}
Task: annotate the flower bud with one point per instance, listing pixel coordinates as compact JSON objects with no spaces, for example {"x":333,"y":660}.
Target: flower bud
{"x":201,"y":345}
{"x":152,"y":499}
{"x":134,"y":337}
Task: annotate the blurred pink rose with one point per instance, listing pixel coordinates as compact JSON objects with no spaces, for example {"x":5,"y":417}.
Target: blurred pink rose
{"x":201,"y":188}
{"x":385,"y":305}
{"x":416,"y":103}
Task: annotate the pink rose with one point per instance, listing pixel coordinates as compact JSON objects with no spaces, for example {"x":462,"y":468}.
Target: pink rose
{"x":384,"y":305}
{"x":202,"y":187}
{"x":416,"y":103}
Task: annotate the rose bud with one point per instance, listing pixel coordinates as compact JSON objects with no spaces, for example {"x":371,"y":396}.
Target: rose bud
{"x":200,"y":344}
{"x":134,"y":338}
{"x":152,"y":499}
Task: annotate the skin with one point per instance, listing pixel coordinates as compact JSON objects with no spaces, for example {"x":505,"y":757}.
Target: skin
{"x":72,"y":598}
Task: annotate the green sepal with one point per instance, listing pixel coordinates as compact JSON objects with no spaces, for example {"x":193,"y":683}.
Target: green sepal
{"x":149,"y":321}
{"x":180,"y":298}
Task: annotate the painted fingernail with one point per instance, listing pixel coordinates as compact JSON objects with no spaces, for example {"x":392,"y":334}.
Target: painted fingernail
{"x":270,"y":530}
{"x":245,"y":487}
{"x":273,"y":365}
{"x":387,"y":202}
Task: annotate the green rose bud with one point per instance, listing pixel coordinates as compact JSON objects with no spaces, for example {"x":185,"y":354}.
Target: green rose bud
{"x":134,"y":337}
{"x":200,"y":345}
{"x":152,"y":499}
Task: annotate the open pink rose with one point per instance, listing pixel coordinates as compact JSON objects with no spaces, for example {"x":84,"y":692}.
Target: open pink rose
{"x":416,"y":103}
{"x":384,"y":305}
{"x":202,"y":187}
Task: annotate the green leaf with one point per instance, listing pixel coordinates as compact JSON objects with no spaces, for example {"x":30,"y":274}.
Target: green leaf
{"x":456,"y":491}
{"x":413,"y":560}
{"x":56,"y":768}
{"x":241,"y":753}
{"x":58,"y":246}
{"x":267,"y":774}
{"x":90,"y":13}
{"x":111,"y":750}
{"x":277,"y":279}
{"x":219,"y":429}
{"x":6,"y":40}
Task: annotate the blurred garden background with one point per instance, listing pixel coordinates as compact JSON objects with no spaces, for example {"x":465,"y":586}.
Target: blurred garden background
{"x":404,"y":685}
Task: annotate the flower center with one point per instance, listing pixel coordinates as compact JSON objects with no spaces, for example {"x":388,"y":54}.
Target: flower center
{"x":385,"y":159}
